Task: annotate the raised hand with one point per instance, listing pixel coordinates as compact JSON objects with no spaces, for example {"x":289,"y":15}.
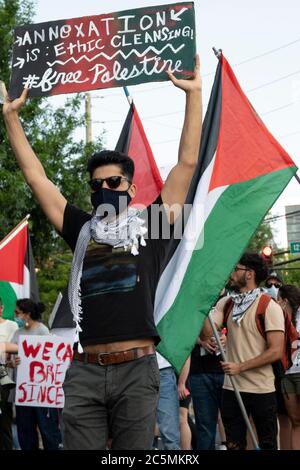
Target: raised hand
{"x":189,"y":84}
{"x":9,"y":105}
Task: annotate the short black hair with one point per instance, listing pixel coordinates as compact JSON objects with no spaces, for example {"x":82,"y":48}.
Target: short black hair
{"x":111,"y":157}
{"x":256,"y":262}
{"x":35,"y":309}
{"x":274,"y":275}
{"x":292,"y":294}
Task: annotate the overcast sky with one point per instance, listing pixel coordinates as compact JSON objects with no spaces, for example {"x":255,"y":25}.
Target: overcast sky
{"x":261,"y":41}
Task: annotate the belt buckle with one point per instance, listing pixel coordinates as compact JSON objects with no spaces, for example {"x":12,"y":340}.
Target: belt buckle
{"x":101,"y":360}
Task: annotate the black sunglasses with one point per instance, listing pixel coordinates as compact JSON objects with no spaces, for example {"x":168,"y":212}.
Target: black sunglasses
{"x":113,"y":182}
{"x":276,"y":284}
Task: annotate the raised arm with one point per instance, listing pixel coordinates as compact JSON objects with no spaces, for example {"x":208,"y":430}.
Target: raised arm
{"x":51,"y":200}
{"x":177,"y":184}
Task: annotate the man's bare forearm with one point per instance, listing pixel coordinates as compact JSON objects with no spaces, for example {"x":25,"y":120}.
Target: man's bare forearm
{"x":192,"y":127}
{"x":267,"y":357}
{"x":206,"y":331}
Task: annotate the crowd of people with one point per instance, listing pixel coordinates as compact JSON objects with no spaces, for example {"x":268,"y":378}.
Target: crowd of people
{"x":196,"y":410}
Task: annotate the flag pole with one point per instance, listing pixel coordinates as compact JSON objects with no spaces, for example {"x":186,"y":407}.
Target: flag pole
{"x":297,"y":178}
{"x":128,"y":96}
{"x":218,"y":52}
{"x":4,"y":240}
{"x":233,"y":382}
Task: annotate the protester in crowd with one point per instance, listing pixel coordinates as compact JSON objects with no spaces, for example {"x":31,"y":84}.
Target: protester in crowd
{"x":184,"y":394}
{"x":249,"y":355}
{"x":272,"y":284}
{"x":289,"y":300}
{"x":117,"y":275}
{"x":7,"y":330}
{"x":29,"y":418}
{"x":168,"y":406}
{"x":206,"y":382}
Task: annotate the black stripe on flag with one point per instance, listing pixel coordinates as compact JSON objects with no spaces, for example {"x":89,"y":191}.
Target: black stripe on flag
{"x":125,"y":136}
{"x":29,"y":263}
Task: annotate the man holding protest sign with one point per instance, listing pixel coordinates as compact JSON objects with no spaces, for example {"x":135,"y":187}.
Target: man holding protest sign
{"x":112,"y":387}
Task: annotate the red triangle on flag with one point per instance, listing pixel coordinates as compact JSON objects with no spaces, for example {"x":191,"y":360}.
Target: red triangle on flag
{"x":133,"y":142}
{"x":246,"y":149}
{"x":12,"y":255}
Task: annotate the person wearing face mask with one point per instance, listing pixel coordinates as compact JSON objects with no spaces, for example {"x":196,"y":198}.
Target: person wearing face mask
{"x":7,"y":330}
{"x":289,"y":300}
{"x":249,"y":354}
{"x":29,"y":418}
{"x":112,"y":386}
{"x":272,"y":284}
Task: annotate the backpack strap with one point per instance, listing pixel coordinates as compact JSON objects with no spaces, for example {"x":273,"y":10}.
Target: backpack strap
{"x":260,"y":314}
{"x":226,"y":311}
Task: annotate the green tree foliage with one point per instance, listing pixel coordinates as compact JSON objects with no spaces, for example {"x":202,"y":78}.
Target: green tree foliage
{"x":50,"y":131}
{"x":53,"y":278}
{"x":291,"y":275}
{"x":262,"y":237}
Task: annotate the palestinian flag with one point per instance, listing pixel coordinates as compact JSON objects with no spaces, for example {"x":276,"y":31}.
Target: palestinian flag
{"x":17,"y":274}
{"x":242,"y":170}
{"x":133,"y":142}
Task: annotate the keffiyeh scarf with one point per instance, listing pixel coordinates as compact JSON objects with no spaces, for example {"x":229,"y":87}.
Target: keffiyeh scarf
{"x":125,"y":231}
{"x":241,"y":303}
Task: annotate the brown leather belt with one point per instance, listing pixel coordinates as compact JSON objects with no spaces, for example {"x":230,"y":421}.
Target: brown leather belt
{"x":106,"y":359}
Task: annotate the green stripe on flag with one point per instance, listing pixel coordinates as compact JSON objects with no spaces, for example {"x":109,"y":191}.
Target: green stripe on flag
{"x":227,"y":231}
{"x":9,"y":298}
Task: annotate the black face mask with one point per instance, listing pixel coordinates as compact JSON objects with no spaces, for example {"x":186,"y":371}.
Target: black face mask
{"x":113,"y":202}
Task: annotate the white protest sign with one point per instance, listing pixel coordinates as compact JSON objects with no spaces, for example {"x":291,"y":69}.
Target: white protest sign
{"x":44,"y":361}
{"x":104,"y":51}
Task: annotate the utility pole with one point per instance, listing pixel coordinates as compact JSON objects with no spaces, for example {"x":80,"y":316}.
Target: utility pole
{"x":88,"y":118}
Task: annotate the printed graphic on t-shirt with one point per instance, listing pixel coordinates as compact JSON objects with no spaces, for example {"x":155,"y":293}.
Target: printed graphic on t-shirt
{"x":296,"y":358}
{"x":107,"y":270}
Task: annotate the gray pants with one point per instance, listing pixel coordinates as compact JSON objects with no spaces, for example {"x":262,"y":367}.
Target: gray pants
{"x":117,"y":401}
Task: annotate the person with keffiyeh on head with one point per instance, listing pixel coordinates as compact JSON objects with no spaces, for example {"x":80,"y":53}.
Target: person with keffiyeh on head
{"x":249,"y":355}
{"x":112,"y":385}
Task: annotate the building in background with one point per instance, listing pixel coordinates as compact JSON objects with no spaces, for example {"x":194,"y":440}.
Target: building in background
{"x":292,"y":214}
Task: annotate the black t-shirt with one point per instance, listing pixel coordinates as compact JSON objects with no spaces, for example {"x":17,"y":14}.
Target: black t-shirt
{"x":117,"y":288}
{"x":207,"y":364}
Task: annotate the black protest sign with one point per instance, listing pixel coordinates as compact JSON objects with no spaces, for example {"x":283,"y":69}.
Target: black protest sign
{"x":104,"y":51}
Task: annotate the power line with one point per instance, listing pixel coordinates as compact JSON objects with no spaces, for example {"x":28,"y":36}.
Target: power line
{"x":271,"y":51}
{"x":289,"y":135}
{"x":289,"y":214}
{"x":144,"y":118}
{"x":276,"y":80}
{"x":279,"y":108}
{"x":245,"y":61}
{"x":205,"y":75}
{"x":287,"y":105}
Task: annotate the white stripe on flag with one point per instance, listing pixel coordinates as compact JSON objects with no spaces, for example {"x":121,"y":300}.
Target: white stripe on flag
{"x":22,"y":290}
{"x":172,"y":277}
